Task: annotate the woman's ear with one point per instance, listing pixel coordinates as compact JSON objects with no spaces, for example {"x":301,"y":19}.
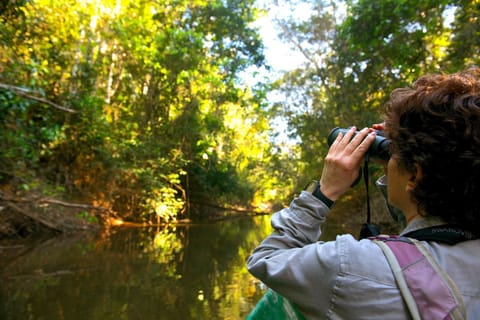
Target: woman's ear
{"x":416,"y":177}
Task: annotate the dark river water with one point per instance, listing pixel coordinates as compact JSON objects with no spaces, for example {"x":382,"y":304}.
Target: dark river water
{"x":186,"y":272}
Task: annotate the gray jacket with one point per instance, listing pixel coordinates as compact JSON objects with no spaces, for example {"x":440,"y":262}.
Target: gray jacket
{"x":347,"y":278}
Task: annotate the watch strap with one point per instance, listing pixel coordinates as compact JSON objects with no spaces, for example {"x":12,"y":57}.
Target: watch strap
{"x":314,"y":189}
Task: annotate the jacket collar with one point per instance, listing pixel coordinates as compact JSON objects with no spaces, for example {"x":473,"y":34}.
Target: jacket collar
{"x":422,"y":223}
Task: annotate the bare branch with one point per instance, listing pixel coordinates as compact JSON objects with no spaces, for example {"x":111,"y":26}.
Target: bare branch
{"x":23,"y":93}
{"x":35,"y":216}
{"x":290,"y":37}
{"x":72,"y":205}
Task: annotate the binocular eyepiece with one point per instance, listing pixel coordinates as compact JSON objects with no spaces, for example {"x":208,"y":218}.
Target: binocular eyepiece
{"x":378,"y":150}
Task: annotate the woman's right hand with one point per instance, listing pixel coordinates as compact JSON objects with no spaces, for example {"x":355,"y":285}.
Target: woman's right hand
{"x":343,"y":161}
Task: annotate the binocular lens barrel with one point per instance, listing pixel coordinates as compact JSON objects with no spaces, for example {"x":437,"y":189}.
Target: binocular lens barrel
{"x":378,"y":150}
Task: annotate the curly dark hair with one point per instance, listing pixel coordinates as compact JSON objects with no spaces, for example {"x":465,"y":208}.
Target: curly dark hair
{"x":436,"y":125}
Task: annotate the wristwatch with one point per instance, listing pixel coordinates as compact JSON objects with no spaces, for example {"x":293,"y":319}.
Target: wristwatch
{"x":314,"y":188}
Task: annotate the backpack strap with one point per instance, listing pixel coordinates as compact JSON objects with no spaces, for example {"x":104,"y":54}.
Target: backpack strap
{"x":458,"y":311}
{"x":427,"y":290}
{"x":399,"y":278}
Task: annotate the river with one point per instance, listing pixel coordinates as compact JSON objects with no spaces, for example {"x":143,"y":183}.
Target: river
{"x":186,"y":272}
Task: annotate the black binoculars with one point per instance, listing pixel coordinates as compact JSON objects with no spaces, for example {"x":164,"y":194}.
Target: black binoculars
{"x":378,"y":150}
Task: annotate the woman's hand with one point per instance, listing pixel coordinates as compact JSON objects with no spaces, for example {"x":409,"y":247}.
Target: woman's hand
{"x":343,"y":161}
{"x":379,"y":126}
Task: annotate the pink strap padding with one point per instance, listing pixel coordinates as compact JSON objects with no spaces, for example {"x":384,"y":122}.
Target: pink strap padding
{"x":432,"y":295}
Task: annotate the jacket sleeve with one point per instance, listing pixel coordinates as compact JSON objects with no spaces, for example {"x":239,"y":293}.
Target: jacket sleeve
{"x":292,"y":262}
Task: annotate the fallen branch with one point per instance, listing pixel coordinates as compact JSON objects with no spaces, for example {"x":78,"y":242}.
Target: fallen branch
{"x":44,"y":211}
{"x":72,"y":205}
{"x":52,"y":201}
{"x":23,"y":93}
{"x":35,"y":216}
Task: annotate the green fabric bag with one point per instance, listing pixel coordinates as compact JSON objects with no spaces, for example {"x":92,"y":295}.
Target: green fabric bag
{"x":274,"y":306}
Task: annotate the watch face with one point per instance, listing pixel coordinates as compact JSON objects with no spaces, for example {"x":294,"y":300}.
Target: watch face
{"x":312,"y":186}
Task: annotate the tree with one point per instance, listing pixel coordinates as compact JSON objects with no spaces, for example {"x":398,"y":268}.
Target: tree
{"x":352,"y":64}
{"x":463,"y":50}
{"x":159,"y":116}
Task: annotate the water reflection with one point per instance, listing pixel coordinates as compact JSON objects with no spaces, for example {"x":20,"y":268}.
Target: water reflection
{"x":190,"y":272}
{"x":194,"y":272}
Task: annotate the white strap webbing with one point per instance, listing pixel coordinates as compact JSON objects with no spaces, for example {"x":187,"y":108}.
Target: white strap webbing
{"x":402,"y":284}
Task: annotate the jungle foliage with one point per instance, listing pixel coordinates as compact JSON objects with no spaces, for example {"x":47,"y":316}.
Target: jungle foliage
{"x":356,"y":52}
{"x":147,"y":112}
{"x":138,"y":107}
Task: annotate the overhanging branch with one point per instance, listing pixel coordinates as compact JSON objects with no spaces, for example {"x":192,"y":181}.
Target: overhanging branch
{"x":24,"y":94}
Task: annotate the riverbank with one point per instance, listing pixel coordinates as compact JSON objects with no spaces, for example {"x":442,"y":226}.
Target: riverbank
{"x":31,"y":214}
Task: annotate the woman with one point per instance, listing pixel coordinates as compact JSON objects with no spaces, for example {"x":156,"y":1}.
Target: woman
{"x":433,"y":178}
